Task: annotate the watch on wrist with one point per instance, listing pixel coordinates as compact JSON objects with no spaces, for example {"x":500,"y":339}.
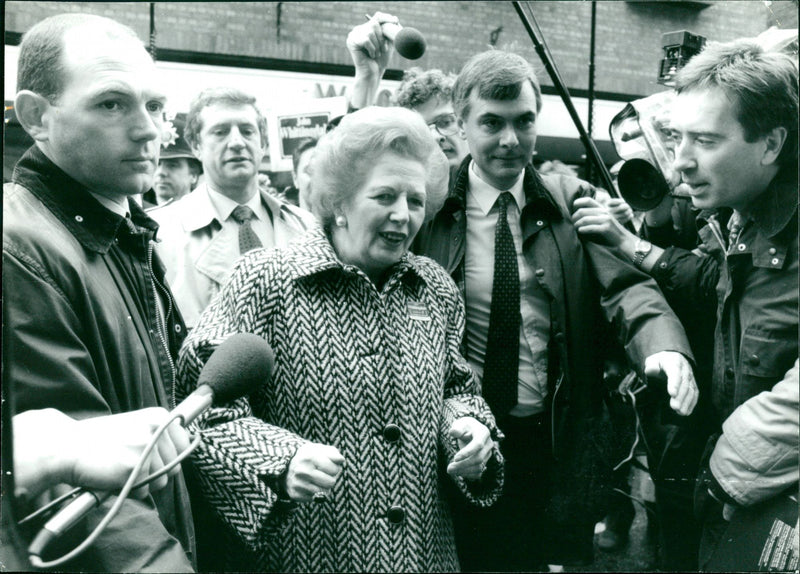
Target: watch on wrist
{"x":641,"y":250}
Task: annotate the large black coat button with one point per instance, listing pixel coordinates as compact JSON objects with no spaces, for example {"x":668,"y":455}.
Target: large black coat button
{"x":396,"y":515}
{"x":391,"y":432}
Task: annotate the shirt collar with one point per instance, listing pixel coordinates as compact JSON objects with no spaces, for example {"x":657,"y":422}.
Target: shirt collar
{"x":95,"y":226}
{"x":774,"y":209}
{"x":486,"y":194}
{"x":121,"y":208}
{"x":224,"y":205}
{"x":536,"y":196}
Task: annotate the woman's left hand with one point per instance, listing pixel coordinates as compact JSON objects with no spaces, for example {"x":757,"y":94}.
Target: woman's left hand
{"x":475,"y":444}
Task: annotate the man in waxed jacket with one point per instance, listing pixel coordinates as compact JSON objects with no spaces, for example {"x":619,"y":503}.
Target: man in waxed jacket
{"x":505,"y":235}
{"x":93,"y":327}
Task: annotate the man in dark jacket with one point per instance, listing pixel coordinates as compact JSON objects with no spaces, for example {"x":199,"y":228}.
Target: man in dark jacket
{"x":538,"y":300}
{"x":734,"y":123}
{"x":94,"y":327}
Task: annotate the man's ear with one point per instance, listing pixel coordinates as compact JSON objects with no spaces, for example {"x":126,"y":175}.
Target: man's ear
{"x":195,"y":147}
{"x":461,"y":131}
{"x":32,"y":113}
{"x":774,"y":140}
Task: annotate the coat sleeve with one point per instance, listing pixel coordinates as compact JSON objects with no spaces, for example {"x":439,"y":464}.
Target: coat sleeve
{"x":688,"y":281}
{"x":50,"y":366}
{"x":756,"y":457}
{"x":462,"y":399}
{"x":635,"y":305}
{"x":241,"y":456}
{"x":631,"y":299}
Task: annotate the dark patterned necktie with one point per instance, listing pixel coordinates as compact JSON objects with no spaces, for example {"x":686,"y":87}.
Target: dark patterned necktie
{"x":501,"y":366}
{"x":247,"y":237}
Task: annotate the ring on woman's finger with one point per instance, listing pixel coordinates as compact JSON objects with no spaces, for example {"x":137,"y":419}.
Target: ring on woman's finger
{"x":320,"y":497}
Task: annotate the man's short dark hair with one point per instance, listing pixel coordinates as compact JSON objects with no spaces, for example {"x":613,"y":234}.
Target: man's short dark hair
{"x":761,"y":84}
{"x":497,"y":75}
{"x":226,"y":96}
{"x":304,"y":145}
{"x":41,"y":64}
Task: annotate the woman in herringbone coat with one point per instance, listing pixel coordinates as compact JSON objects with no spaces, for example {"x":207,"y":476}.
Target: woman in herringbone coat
{"x":339,"y":462}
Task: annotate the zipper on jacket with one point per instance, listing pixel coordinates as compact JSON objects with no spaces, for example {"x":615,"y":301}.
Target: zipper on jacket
{"x":553,"y":415}
{"x":162,"y":335}
{"x":716,"y":230}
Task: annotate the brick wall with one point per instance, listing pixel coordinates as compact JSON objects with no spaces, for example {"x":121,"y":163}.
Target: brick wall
{"x":628,"y":34}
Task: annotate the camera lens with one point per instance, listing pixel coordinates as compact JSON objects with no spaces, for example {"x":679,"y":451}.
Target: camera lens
{"x":641,"y":184}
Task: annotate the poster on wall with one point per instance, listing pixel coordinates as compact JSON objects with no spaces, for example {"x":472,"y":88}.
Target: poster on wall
{"x":288,"y":125}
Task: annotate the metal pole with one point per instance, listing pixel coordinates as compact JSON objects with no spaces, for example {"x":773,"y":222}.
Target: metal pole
{"x":589,"y":171}
{"x":591,"y":149}
{"x":152,"y":48}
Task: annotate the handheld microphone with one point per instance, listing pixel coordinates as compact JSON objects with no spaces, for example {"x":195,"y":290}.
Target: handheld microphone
{"x":408,"y":42}
{"x":241,"y":364}
{"x":237,"y":367}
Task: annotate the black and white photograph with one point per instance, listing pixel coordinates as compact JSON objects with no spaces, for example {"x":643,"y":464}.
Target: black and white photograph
{"x":407,"y":286}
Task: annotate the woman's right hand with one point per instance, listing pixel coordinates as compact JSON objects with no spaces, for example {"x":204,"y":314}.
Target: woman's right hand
{"x":313,"y":470}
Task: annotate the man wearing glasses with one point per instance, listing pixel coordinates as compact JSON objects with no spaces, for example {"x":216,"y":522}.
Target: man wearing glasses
{"x":428,"y":92}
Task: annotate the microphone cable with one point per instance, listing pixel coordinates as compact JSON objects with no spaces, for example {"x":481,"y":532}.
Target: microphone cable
{"x":45,"y":537}
{"x":625,"y":387}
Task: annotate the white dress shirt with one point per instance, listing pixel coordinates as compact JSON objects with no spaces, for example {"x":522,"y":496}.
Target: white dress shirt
{"x":482,"y":211}
{"x":262,"y":224}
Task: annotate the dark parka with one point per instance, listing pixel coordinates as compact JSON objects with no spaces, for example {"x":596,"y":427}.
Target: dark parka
{"x":587,"y":286}
{"x":80,"y":315}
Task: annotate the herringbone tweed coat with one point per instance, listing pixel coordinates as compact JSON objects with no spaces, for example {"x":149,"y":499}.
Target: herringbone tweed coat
{"x":349,"y":360}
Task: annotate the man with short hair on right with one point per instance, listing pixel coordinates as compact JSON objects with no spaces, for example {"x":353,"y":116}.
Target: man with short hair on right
{"x":538,"y":302}
{"x":734,"y":123}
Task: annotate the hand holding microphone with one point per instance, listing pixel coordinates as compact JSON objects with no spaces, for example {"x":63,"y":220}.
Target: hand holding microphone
{"x":369,"y":48}
{"x":52,"y":448}
{"x":373,"y":39}
{"x":236,"y":368}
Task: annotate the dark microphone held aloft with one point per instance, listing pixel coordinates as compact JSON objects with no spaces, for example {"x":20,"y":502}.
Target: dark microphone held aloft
{"x":408,"y":42}
{"x":238,"y":367}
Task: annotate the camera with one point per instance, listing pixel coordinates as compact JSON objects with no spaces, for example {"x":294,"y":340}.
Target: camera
{"x":678,"y":47}
{"x":640,"y":132}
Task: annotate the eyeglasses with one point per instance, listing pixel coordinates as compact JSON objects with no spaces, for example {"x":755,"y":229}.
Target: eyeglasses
{"x":446,"y":125}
